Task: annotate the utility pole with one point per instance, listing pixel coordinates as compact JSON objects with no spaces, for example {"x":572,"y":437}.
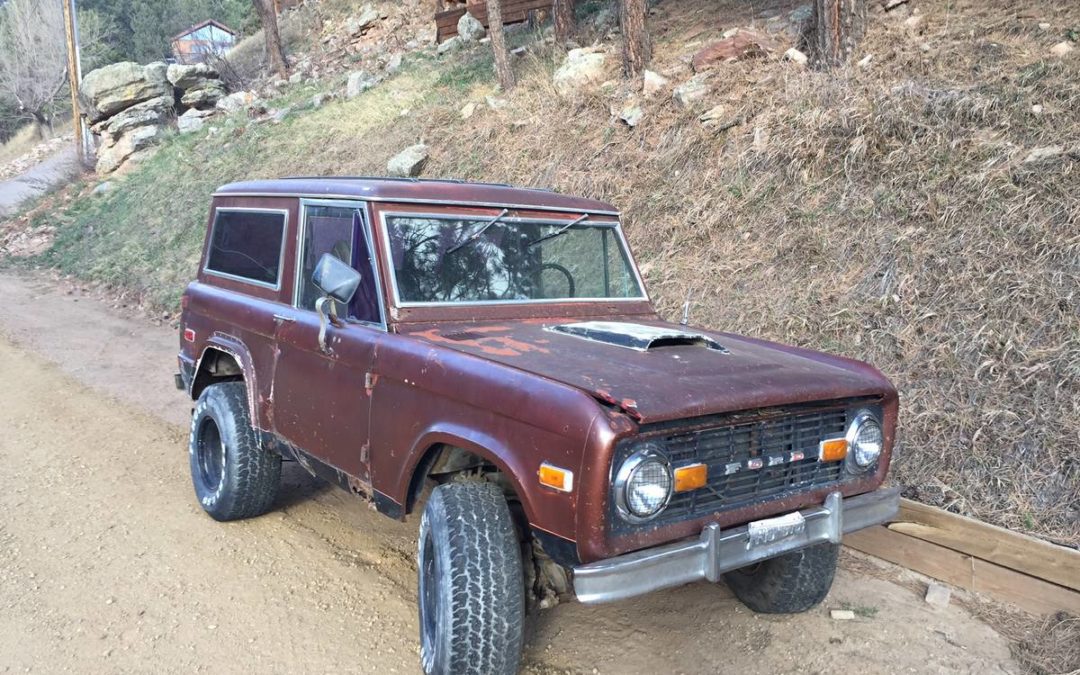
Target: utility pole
{"x":71,"y":29}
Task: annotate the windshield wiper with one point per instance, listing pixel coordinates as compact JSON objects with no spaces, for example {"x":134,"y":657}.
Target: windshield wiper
{"x":557,"y":232}
{"x":476,"y":235}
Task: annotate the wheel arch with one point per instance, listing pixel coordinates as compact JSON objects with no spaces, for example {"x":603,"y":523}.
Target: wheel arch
{"x":225,"y":359}
{"x":453,"y":448}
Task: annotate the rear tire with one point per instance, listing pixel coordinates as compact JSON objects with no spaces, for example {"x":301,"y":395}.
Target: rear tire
{"x":233,"y":476}
{"x":471,"y":591}
{"x":787,"y":584}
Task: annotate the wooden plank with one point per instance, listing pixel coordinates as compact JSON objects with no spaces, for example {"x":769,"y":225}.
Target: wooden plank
{"x":514,"y":11}
{"x":965,"y":571}
{"x":994,"y":544}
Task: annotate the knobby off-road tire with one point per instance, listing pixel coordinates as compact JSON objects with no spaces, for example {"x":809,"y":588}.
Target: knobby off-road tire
{"x":233,"y":477}
{"x":790,"y":583}
{"x":471,"y":591}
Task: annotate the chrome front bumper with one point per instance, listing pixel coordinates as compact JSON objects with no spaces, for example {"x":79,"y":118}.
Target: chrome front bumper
{"x":718,"y":551}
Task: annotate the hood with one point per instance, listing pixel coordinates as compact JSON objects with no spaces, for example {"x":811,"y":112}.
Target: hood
{"x":656,"y":371}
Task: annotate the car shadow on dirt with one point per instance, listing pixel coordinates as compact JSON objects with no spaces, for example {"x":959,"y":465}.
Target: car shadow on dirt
{"x":298,"y":486}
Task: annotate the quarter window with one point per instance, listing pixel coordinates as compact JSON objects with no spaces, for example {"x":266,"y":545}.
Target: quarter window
{"x":247,"y":245}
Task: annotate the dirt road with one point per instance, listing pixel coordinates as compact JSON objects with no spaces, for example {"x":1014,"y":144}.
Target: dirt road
{"x":108,"y":565}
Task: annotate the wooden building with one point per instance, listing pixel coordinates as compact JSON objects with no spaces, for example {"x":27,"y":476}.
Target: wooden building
{"x":202,"y":40}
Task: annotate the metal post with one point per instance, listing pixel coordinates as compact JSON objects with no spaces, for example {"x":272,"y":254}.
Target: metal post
{"x":71,"y":30}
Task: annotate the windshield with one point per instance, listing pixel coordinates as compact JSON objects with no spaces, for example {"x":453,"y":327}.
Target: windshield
{"x":500,"y":259}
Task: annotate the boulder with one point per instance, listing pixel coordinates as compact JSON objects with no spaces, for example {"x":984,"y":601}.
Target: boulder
{"x":654,"y":84}
{"x":690,"y":92}
{"x":743,"y":45}
{"x":321,"y":99}
{"x":193,"y":120}
{"x":189,"y":77}
{"x":110,"y":159}
{"x":468,"y":110}
{"x":451,"y":45}
{"x":155,"y":112}
{"x":1061,"y":49}
{"x":204,"y":96}
{"x":409,"y":162}
{"x":357,"y":25}
{"x":632,"y":115}
{"x":582,"y":67}
{"x":470,"y":29}
{"x":797,"y":57}
{"x":804,"y":13}
{"x":237,"y":101}
{"x":714,"y":116}
{"x":1043,"y":153}
{"x":106,"y":91}
{"x":359,"y":82}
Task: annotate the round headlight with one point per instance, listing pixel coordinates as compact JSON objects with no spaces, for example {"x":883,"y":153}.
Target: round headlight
{"x":865,"y":439}
{"x":643,"y":485}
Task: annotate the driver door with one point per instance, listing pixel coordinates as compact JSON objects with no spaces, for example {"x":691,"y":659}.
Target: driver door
{"x":321,"y":403}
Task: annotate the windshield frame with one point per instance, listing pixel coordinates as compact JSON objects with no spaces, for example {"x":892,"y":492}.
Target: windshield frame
{"x":607,"y":221}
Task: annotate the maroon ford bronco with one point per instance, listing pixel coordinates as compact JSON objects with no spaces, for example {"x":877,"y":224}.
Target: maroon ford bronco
{"x":489,"y":356}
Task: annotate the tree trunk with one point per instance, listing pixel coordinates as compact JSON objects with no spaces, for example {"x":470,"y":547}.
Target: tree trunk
{"x":498,"y":43}
{"x":275,"y":53}
{"x":637,"y":49}
{"x":838,"y":27}
{"x":564,"y":20}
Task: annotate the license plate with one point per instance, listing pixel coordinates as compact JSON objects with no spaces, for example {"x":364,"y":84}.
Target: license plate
{"x":774,"y":529}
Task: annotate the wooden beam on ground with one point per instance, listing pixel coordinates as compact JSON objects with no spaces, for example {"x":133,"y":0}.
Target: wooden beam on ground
{"x":965,"y":571}
{"x":1034,"y":557}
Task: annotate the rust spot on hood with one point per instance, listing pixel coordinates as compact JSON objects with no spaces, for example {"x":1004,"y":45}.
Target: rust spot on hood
{"x":484,"y":339}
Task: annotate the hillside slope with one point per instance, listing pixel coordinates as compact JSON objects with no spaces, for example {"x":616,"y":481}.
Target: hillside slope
{"x":892,"y":211}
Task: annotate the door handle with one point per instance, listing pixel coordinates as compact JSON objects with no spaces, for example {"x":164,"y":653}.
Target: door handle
{"x":281,"y":318}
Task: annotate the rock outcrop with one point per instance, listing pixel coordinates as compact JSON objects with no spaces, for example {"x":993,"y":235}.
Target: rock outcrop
{"x":109,"y":90}
{"x":129,"y":106}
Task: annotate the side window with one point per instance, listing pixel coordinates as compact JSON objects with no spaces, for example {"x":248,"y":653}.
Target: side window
{"x":337,"y":230}
{"x":247,"y":245}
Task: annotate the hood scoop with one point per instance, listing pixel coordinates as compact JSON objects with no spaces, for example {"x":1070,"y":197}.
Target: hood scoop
{"x":636,"y":336}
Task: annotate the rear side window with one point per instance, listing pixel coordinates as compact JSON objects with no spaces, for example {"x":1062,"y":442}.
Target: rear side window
{"x":247,"y":245}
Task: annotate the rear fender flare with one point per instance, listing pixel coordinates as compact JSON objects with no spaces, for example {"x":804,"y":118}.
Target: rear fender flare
{"x":242,"y":355}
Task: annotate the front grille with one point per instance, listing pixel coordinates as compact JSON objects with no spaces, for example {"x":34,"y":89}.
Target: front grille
{"x":737,"y":443}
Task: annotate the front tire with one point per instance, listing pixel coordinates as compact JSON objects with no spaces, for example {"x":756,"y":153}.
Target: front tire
{"x":471,"y":591}
{"x":233,"y":476}
{"x":787,"y":584}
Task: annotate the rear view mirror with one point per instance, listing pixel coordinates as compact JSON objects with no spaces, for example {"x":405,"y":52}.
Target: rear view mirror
{"x":335,"y":278}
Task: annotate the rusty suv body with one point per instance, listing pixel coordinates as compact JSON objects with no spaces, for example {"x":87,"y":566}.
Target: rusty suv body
{"x":416,"y":380}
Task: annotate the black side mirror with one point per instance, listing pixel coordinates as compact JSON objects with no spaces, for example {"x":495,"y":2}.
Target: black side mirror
{"x":336,"y":279}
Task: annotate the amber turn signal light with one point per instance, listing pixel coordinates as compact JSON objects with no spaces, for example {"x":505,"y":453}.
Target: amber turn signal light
{"x":554,"y":477}
{"x":833,"y":450}
{"x":691,"y":477}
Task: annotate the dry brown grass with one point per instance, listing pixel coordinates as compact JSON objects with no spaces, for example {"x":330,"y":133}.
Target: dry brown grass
{"x":1046,"y":646}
